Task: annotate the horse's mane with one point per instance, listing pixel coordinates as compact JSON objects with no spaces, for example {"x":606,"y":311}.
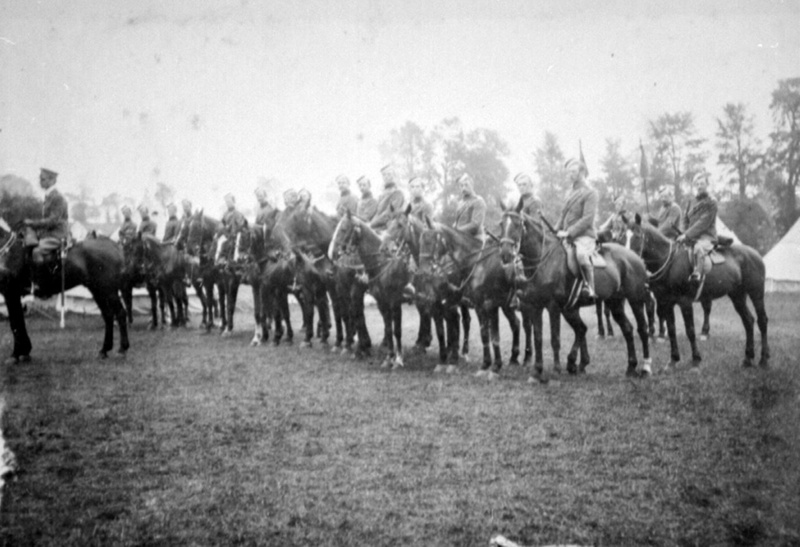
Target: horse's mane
{"x":458,"y":238}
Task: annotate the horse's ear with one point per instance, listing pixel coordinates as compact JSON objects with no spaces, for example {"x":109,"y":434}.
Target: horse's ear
{"x":502,"y":205}
{"x":428,"y":222}
{"x":408,"y":209}
{"x":638,"y":219}
{"x":391,"y":208}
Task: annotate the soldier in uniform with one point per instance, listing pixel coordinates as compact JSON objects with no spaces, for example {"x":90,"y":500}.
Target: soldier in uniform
{"x":347,"y":201}
{"x":232,"y":221}
{"x":127,"y":232}
{"x":419,"y":207}
{"x":50,"y":232}
{"x":392,"y":198}
{"x":577,"y":222}
{"x":146,"y":226}
{"x":528,"y":204}
{"x":669,"y":216}
{"x":187,"y":209}
{"x":700,"y":224}
{"x":173,"y":226}
{"x":367,"y":205}
{"x":264,"y":207}
{"x":304,"y":198}
{"x":471,"y":210}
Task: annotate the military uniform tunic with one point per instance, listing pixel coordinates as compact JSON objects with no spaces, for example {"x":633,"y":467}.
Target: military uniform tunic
{"x":127,"y":232}
{"x":148,"y":227}
{"x":367,"y":207}
{"x":421,"y":208}
{"x":233,"y":222}
{"x":263,"y":213}
{"x":529,"y":205}
{"x":668,"y":220}
{"x":700,"y":222}
{"x":392,"y":198}
{"x":470,"y":214}
{"x":55,"y":216}
{"x":579,"y":212}
{"x":172,"y":229}
{"x":347,"y":202}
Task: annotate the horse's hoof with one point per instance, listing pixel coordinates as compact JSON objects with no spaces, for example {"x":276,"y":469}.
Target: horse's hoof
{"x":11,"y":360}
{"x":102,"y":355}
{"x":631,"y":372}
{"x":747,"y":362}
{"x":225,"y":333}
{"x":482,"y":372}
{"x":255,"y":342}
{"x":599,"y":336}
{"x":703,"y":337}
{"x":763,"y":363}
{"x":514,"y":362}
{"x":305,"y":344}
{"x":491,"y":375}
{"x":451,"y":369}
{"x":438,"y":368}
{"x":646,"y":370}
{"x":386,"y":363}
{"x":557,"y":368}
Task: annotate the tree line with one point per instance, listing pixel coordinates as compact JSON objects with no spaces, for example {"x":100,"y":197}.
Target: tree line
{"x":758,"y":199}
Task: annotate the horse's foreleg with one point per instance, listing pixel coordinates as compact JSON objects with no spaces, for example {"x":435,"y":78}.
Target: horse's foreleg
{"x":527,"y":327}
{"x":445,"y":341}
{"x":535,"y":320}
{"x":108,"y":320}
{"x":424,"y":335}
{"x":687,"y":310}
{"x":757,"y":297}
{"x":705,"y":332}
{"x":617,"y":308}
{"x":554,"y":315}
{"x":740,"y":305}
{"x":151,"y":292}
{"x":397,"y":323}
{"x":118,"y":312}
{"x":484,"y":322}
{"x":307,"y":309}
{"x":609,"y":327}
{"x":466,"y":321}
{"x":598,"y":306}
{"x":513,"y":322}
{"x":284,"y":303}
{"x":579,"y":329}
{"x":16,"y":318}
{"x":494,"y":325}
{"x":644,"y":335}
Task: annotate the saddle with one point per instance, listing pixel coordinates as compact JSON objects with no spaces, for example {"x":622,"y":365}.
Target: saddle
{"x":596,"y":258}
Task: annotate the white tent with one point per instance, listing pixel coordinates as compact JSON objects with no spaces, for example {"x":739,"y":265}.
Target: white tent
{"x":783,"y":263}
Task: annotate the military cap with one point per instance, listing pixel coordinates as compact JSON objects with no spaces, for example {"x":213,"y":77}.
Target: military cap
{"x":172,"y":209}
{"x":290,"y":197}
{"x":666,"y":192}
{"x":229,"y":198}
{"x":304,"y":193}
{"x":701,"y":176}
{"x":126,"y":210}
{"x":261,"y":193}
{"x":48,"y":173}
{"x":364,"y":179}
{"x":387,"y":168}
{"x":142,"y":209}
{"x":186,"y":204}
{"x":465,"y":177}
{"x":342,"y":179}
{"x":522,"y":178}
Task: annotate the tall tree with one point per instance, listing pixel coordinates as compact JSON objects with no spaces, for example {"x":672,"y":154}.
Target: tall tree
{"x":784,"y":151}
{"x":553,"y":184}
{"x":410,"y":149}
{"x":677,"y":146}
{"x":164,"y":194}
{"x":738,"y":147}
{"x":111,"y":203}
{"x":619,"y":174}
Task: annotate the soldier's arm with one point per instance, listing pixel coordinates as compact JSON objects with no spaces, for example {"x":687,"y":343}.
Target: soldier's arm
{"x":368,"y":209}
{"x":703,"y":223}
{"x":477,"y":216}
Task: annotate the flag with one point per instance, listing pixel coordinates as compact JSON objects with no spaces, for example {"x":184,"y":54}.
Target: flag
{"x":583,"y":160}
{"x":644,"y":172}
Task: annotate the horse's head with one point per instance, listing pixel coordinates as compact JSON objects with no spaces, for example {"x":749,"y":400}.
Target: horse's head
{"x":345,"y":236}
{"x":636,"y":233}
{"x":522,"y":235}
{"x":194,"y":235}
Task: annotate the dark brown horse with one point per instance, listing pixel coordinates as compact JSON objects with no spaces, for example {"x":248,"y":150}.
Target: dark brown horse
{"x":443,"y":309}
{"x":742,"y":274}
{"x":387,"y":275}
{"x":476,"y":273}
{"x":201,"y":247}
{"x":623,"y":278}
{"x":135,"y":275}
{"x":96,"y":263}
{"x":164,"y":269}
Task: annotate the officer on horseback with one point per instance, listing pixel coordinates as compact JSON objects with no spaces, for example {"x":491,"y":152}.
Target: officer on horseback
{"x":146,"y":226}
{"x":173,"y":227}
{"x":232,"y":221}
{"x":577,"y":222}
{"x":127,"y":232}
{"x":347,"y":201}
{"x":391,"y":198}
{"x":367,"y":205}
{"x":528,"y":204}
{"x":700,"y":224}
{"x":471,"y":210}
{"x":669,"y":216}
{"x":48,"y":234}
{"x":419,"y":207}
{"x":264,"y":207}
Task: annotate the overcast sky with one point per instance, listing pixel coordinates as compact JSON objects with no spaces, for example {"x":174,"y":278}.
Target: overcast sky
{"x":210,"y":96}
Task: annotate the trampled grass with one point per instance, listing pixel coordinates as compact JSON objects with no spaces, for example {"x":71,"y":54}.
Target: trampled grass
{"x":201,"y":440}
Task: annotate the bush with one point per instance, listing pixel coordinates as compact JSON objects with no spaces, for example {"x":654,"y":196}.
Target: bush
{"x":751,"y":223}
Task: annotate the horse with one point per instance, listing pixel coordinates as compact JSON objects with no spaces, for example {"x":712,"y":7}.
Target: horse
{"x":476,"y":274}
{"x":406,"y":229}
{"x":201,"y":245}
{"x":517,"y":251}
{"x":387,"y":275}
{"x":739,"y":276}
{"x":623,"y":278}
{"x":165,"y":269}
{"x":232,"y":261}
{"x":96,"y":263}
{"x":194,"y":274}
{"x":135,"y":275}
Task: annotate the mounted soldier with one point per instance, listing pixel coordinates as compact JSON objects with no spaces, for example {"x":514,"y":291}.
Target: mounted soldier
{"x":391,"y":199}
{"x":471,"y":210}
{"x":576,"y":226}
{"x":146,"y":226}
{"x":264,"y":206}
{"x":50,"y":233}
{"x":528,"y":203}
{"x":419,"y":207}
{"x":127,"y":232}
{"x":232,"y":221}
{"x":347,"y":201}
{"x":367,"y":205}
{"x":669,"y":216}
{"x":173,"y":227}
{"x":700,"y":224}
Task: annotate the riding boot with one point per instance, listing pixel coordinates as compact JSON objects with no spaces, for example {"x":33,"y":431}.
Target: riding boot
{"x":587,"y":289}
{"x":697,"y":262}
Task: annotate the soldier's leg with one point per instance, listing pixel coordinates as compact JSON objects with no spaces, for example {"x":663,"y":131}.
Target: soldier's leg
{"x":583,"y":250}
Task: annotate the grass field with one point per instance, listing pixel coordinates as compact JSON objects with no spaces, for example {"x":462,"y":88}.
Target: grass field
{"x":193,"y":439}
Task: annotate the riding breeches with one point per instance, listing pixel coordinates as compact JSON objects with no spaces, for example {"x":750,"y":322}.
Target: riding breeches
{"x":584,"y":247}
